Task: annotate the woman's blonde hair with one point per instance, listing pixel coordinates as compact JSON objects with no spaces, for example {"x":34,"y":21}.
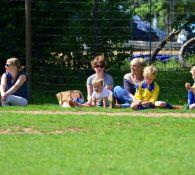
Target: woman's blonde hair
{"x":15,"y":62}
{"x":138,"y":61}
{"x":150,"y":71}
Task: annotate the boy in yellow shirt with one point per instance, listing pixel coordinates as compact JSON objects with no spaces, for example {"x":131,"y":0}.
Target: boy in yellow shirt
{"x":147,"y":92}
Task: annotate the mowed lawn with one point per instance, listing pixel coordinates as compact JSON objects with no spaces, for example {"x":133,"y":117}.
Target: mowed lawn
{"x":104,"y":145}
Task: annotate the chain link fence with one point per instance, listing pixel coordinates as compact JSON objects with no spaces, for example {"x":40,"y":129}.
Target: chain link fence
{"x":65,"y":36}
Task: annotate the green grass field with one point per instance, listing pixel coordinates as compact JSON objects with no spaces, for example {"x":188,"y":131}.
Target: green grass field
{"x":94,"y":144}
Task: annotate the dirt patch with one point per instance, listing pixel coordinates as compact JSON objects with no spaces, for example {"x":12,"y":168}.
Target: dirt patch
{"x":81,"y":113}
{"x":19,"y":130}
{"x":30,"y":130}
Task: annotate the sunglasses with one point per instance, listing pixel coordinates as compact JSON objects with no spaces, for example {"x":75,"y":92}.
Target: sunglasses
{"x":99,"y":66}
{"x":97,"y":88}
{"x":7,"y":65}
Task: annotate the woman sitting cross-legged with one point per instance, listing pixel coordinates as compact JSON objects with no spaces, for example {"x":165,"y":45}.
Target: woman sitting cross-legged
{"x":99,"y":66}
{"x":14,"y":84}
{"x":124,"y":95}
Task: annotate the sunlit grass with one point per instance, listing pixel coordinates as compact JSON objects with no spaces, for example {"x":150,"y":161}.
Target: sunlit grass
{"x":58,"y":108}
{"x":69,"y":144}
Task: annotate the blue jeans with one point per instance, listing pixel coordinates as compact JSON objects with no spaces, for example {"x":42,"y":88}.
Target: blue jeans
{"x":191,"y":98}
{"x":13,"y":100}
{"x":122,"y":97}
{"x":78,"y":100}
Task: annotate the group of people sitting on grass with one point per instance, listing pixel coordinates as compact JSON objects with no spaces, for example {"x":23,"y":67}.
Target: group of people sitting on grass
{"x":139,"y":90}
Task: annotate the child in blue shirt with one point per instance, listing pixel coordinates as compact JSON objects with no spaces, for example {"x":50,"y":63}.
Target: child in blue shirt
{"x":191,"y":90}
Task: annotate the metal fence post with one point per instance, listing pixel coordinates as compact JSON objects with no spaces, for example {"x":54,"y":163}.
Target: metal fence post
{"x":95,"y":27}
{"x":28,"y":42}
{"x":150,"y":35}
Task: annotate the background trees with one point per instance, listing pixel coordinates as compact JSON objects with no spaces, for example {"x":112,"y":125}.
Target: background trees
{"x":12,"y":32}
{"x":68,"y":33}
{"x":169,"y":13}
{"x":78,"y":30}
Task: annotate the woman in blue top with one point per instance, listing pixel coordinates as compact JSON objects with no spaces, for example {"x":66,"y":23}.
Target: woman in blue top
{"x":14,"y":84}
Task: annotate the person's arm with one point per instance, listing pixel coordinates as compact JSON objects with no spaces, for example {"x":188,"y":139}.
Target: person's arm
{"x":193,"y":89}
{"x":89,"y":92}
{"x":105,"y":94}
{"x":17,"y":85}
{"x":109,"y":82}
{"x":154,"y":94}
{"x":129,"y":87}
{"x":105,"y":99}
{"x":110,"y":87}
{"x":137,"y":100}
{"x":3,"y":86}
{"x":93,"y":102}
{"x":188,"y":86}
{"x":138,"y":94}
{"x":89,"y":88}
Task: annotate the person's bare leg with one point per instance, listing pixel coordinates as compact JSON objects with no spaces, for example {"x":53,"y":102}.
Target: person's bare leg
{"x":192,"y":106}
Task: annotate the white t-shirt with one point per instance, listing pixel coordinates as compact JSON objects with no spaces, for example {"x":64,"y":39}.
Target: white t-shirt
{"x":99,"y":96}
{"x":108,"y":80}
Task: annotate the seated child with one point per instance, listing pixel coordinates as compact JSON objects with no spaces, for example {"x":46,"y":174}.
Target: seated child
{"x":101,"y":94}
{"x":191,"y":90}
{"x":147,"y":92}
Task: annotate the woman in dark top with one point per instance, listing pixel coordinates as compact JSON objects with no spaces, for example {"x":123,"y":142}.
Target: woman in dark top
{"x":124,"y":95}
{"x":14,"y":84}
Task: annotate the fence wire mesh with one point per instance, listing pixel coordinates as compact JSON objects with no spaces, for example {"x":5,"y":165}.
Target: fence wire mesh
{"x":67,"y":34}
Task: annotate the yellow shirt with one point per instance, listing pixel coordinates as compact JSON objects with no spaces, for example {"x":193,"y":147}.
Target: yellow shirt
{"x":146,"y":92}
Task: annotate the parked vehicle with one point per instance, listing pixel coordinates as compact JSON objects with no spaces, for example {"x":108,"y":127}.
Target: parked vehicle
{"x":186,"y":55}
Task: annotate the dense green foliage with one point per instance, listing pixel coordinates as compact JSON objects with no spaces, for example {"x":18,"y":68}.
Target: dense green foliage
{"x":168,"y":13}
{"x":12,"y":33}
{"x":68,"y":34}
{"x":62,"y":30}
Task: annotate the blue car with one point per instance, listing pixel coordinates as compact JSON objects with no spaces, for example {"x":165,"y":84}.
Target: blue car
{"x":162,"y":57}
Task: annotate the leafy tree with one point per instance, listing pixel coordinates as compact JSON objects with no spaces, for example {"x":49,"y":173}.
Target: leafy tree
{"x":12,"y":33}
{"x":169,"y":13}
{"x":63,"y":28}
